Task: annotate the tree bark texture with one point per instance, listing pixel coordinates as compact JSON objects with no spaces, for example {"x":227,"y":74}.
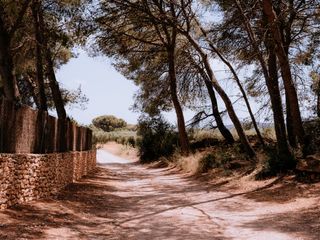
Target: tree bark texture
{"x":53,"y":83}
{"x":276,"y":103}
{"x":6,"y":63}
{"x":232,"y":114}
{"x":290,"y":89}
{"x":215,"y":111}
{"x":183,"y":137}
{"x":39,"y":56}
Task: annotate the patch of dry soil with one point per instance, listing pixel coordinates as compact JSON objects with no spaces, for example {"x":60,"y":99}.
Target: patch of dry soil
{"x":124,"y":200}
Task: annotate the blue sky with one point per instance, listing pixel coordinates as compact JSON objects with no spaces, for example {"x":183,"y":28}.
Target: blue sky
{"x":108,"y":91}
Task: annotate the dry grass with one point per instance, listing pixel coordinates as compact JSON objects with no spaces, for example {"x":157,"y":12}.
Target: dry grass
{"x":200,"y":134}
{"x":124,"y":151}
{"x":189,"y":164}
{"x":124,"y":137}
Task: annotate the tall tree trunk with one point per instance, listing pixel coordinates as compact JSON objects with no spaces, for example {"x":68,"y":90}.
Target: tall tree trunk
{"x":170,"y":43}
{"x":272,"y":82}
{"x":237,"y":79}
{"x":232,"y":114}
{"x":318,"y":98}
{"x":276,"y":103}
{"x":285,"y":31}
{"x":285,"y":72}
{"x":183,"y":136}
{"x":7,"y":72}
{"x":54,"y":86}
{"x":271,"y":78}
{"x":244,"y":95}
{"x":53,"y":83}
{"x":31,"y":85}
{"x":6,"y":63}
{"x":290,"y":128}
{"x":214,"y":103}
{"x":39,"y":55}
{"x":216,"y":114}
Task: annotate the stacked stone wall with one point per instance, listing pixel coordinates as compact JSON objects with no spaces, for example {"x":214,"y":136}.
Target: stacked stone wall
{"x":26,"y":177}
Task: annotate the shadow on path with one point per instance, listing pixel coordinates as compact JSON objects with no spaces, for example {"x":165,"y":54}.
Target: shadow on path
{"x":123,"y":200}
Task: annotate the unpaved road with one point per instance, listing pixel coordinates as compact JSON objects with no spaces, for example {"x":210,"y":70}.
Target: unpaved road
{"x":124,"y":200}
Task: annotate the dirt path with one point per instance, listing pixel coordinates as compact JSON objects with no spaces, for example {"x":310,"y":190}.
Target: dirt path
{"x":123,"y":200}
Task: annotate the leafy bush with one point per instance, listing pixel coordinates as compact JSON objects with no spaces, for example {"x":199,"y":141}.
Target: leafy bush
{"x":312,"y":129}
{"x":225,"y":157}
{"x":100,"y":136}
{"x":131,"y":141}
{"x":276,"y":164}
{"x":157,"y":138}
{"x":206,"y":163}
{"x":108,"y":123}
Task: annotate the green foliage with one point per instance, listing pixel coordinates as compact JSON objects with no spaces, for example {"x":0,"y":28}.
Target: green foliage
{"x":73,"y":98}
{"x":157,"y":138}
{"x":131,"y":141}
{"x":206,"y":163}
{"x":122,"y":136}
{"x":224,"y":157}
{"x":202,"y":138}
{"x":276,"y":164}
{"x":312,"y":129}
{"x":109,"y":123}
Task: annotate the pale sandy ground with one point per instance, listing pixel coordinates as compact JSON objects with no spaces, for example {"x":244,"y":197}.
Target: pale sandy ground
{"x":124,"y":200}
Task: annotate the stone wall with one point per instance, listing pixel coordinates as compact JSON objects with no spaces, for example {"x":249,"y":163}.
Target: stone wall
{"x":26,"y":177}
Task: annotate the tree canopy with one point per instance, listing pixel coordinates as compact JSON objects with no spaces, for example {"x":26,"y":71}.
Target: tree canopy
{"x":173,"y":51}
{"x":109,"y":123}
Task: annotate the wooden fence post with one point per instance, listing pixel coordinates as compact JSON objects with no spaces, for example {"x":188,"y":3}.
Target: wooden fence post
{"x":40,"y":132}
{"x":51,"y":135}
{"x":8,"y":126}
{"x":23,"y":129}
{"x":1,"y":125}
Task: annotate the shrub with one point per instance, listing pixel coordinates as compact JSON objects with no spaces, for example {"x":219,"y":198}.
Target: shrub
{"x":312,"y":129}
{"x":206,"y":163}
{"x":108,"y":123}
{"x":276,"y":164}
{"x":131,"y":142}
{"x":226,"y":157}
{"x":101,"y":137}
{"x":157,"y":138}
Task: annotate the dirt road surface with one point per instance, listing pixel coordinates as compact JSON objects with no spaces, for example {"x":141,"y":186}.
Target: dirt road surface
{"x":124,"y":200}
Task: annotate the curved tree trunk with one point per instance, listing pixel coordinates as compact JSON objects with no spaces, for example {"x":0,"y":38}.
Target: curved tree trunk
{"x":28,"y":78}
{"x":271,"y":78}
{"x":290,"y":129}
{"x":7,"y":72}
{"x":54,"y":86}
{"x":232,"y":114}
{"x":276,"y":103}
{"x":237,"y":79}
{"x":215,"y":111}
{"x":246,"y":100}
{"x":318,"y":98}
{"x":39,"y":55}
{"x":53,"y":83}
{"x":6,"y":64}
{"x":290,"y":89}
{"x":183,"y":137}
{"x":214,"y":104}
